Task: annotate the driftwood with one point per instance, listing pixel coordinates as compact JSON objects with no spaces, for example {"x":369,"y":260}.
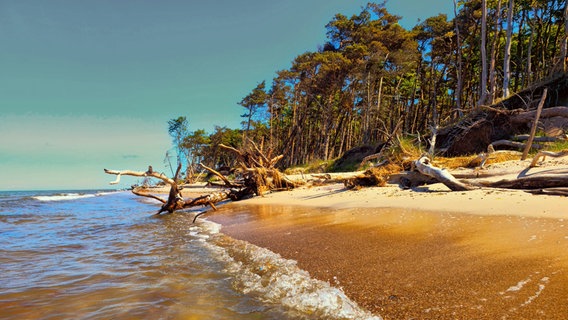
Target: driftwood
{"x":149,"y":173}
{"x":553,"y":182}
{"x":425,"y":167}
{"x":175,"y":200}
{"x":259,"y":176}
{"x":538,"y":183}
{"x":514,"y":144}
{"x":544,"y":154}
{"x":530,"y":182}
{"x":411,"y":179}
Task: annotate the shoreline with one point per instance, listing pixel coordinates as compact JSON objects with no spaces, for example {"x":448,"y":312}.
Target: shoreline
{"x":433,"y":197}
{"x":420,"y":253}
{"x":405,"y":263}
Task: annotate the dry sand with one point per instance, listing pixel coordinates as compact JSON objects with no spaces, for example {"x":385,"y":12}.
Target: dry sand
{"x":426,"y":253}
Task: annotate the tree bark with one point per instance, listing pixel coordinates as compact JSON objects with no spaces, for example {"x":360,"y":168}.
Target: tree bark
{"x":459,"y":89}
{"x":483,"y":82}
{"x":564,"y":49}
{"x":526,"y":117}
{"x":507,"y":58}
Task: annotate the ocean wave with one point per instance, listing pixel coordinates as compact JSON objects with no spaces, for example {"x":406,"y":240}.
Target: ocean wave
{"x":70,"y":196}
{"x":266,"y":276}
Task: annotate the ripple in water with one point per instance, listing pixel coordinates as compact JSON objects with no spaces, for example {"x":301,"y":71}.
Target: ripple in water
{"x":100,"y":257}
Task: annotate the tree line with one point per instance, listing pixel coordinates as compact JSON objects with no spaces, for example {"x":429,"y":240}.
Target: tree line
{"x":373,"y":77}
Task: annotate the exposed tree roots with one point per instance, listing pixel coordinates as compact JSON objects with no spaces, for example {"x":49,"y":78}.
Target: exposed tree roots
{"x":258,"y":175}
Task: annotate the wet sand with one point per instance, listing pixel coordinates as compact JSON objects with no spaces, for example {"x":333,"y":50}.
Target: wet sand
{"x":409,"y":264}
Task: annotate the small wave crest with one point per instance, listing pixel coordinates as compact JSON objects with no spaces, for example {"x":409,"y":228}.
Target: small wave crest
{"x":69,"y":196}
{"x":266,"y":276}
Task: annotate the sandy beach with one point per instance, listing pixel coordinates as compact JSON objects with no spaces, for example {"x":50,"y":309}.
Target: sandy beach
{"x":426,"y":253}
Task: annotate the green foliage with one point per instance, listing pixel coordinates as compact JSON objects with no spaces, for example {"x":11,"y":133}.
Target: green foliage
{"x":559,"y":145}
{"x":213,"y":155}
{"x":317,"y":166}
{"x":178,"y":129}
{"x":372,"y":79}
{"x":253,"y":102}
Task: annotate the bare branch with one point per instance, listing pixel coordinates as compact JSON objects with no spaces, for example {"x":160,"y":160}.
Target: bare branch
{"x":148,"y":173}
{"x":544,"y":154}
{"x":147,"y":195}
{"x":228,"y":183}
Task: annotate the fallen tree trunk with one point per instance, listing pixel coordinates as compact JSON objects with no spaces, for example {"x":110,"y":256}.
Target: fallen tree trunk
{"x":425,"y":167}
{"x":412,"y":179}
{"x":530,"y":182}
{"x":175,"y":200}
{"x":513,"y":144}
{"x":525,"y":137}
{"x":259,"y":176}
{"x":528,"y":116}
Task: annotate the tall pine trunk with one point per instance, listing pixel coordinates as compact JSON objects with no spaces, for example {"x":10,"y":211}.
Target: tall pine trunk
{"x":564,"y":48}
{"x":483,"y":82}
{"x":507,"y":58}
{"x":459,"y":88}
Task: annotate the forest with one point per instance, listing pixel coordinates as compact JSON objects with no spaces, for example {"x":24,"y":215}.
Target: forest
{"x":372,"y":78}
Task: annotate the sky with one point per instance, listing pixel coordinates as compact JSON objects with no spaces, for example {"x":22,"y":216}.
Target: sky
{"x":90,"y":84}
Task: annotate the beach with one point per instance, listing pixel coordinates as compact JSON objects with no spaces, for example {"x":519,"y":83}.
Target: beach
{"x":421,"y":253}
{"x":426,"y":253}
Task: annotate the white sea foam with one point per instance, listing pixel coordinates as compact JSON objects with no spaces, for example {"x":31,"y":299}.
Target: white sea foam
{"x":71,"y":196}
{"x":541,"y":287}
{"x":64,"y":196}
{"x":519,"y":285}
{"x":266,"y":276}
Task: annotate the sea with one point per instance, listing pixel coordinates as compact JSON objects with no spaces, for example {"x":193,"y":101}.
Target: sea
{"x":100,"y":254}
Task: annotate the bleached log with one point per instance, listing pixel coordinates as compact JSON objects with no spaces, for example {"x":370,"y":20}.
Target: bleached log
{"x":424,"y":166}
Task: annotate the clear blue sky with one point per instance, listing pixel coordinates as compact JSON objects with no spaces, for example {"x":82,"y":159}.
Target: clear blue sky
{"x":91,"y":84}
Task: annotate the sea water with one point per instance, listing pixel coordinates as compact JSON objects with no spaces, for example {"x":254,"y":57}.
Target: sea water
{"x":104,"y":254}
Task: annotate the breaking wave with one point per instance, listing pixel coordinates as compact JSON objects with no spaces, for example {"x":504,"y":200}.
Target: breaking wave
{"x":69,"y":196}
{"x":266,"y":276}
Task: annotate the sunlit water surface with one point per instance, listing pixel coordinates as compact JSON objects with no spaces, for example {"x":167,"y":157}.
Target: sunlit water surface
{"x":102,"y":255}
